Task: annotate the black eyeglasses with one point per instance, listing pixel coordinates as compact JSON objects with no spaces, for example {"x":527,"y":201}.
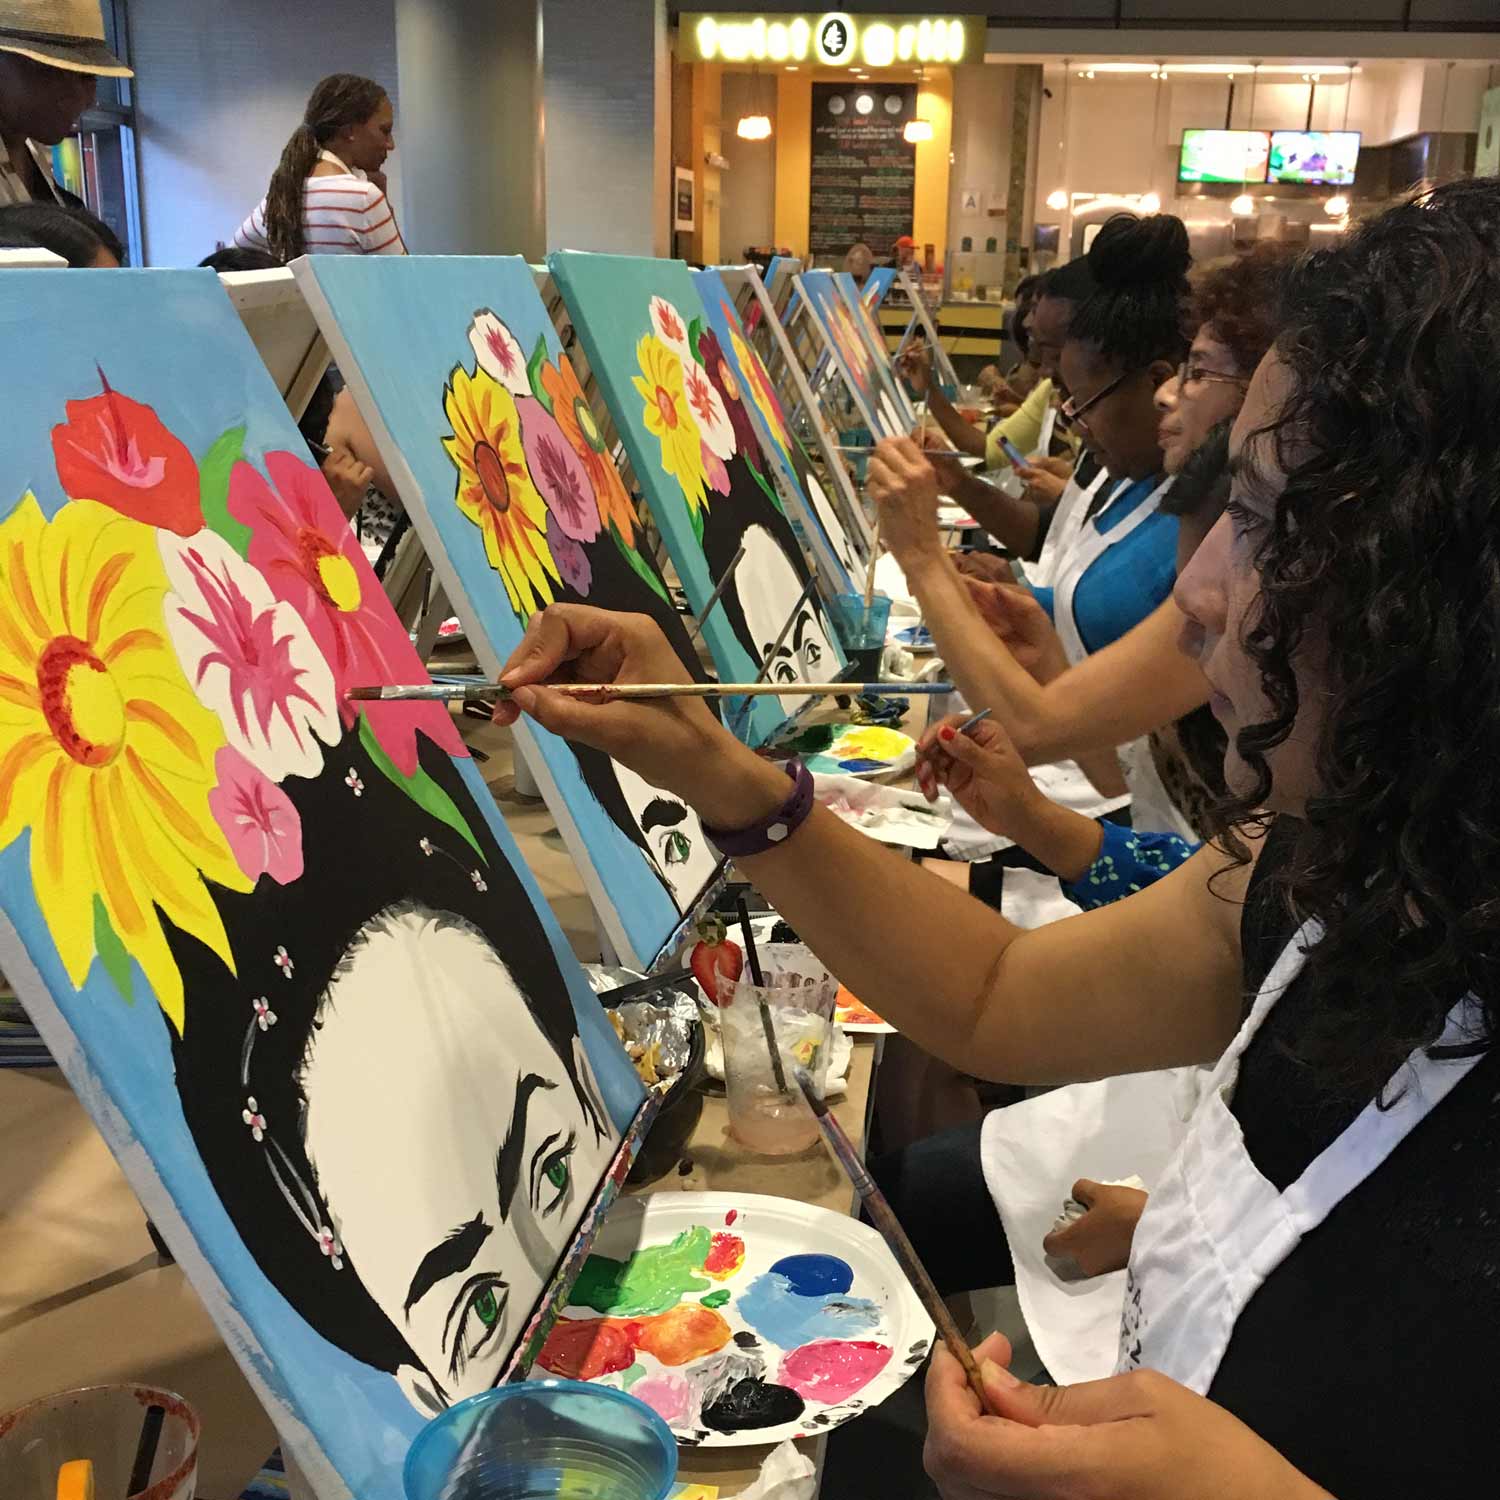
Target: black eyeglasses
{"x":1072,"y":412}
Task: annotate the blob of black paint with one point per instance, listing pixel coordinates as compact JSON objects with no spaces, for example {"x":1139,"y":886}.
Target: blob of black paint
{"x":746,"y":1340}
{"x":752,"y":1403}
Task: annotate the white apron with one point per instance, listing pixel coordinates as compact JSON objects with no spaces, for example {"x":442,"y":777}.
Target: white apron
{"x":1067,"y":522}
{"x":1151,"y":809}
{"x":1214,"y":1229}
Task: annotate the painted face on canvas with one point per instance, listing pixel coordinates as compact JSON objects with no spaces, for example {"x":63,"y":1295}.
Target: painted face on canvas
{"x":681,"y":854}
{"x":768,"y":588}
{"x":831,"y":523}
{"x":450,"y":1143}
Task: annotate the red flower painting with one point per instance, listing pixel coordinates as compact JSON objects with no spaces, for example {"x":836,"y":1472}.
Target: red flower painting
{"x":308,"y":554}
{"x":116,"y":451}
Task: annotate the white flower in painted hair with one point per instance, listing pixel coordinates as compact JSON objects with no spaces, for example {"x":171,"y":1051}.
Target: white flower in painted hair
{"x":480,"y":883}
{"x":425,"y":845}
{"x":265,"y":1017}
{"x":499,"y":353}
{"x":671,"y":328}
{"x":250,"y":657}
{"x":355,"y":782}
{"x":283,"y":961}
{"x":708,"y":409}
{"x":252,"y":1117}
{"x":328,"y":1243}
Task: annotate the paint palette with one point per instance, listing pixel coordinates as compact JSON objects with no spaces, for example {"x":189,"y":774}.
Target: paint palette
{"x":915,"y":638}
{"x":864,"y":750}
{"x":740,"y":1318}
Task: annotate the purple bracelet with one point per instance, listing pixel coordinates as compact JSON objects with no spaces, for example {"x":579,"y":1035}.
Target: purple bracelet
{"x":739,"y":843}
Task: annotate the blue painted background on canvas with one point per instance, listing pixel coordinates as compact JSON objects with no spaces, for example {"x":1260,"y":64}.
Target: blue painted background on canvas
{"x":833,"y":554}
{"x":173,"y":340}
{"x":406,"y":322}
{"x":696,"y":454}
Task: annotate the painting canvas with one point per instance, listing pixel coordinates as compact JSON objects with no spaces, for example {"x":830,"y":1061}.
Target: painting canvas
{"x":694,"y":449}
{"x":840,"y":320}
{"x":501,"y":465}
{"x":280,"y":942}
{"x":792,"y":470}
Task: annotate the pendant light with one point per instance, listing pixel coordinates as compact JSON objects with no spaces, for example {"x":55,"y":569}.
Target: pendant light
{"x":756,"y":127}
{"x":918,"y":129}
{"x":1242,"y":206}
{"x":1058,"y":199}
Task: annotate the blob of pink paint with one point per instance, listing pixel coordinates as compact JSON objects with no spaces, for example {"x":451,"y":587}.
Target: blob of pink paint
{"x":731,"y":1216}
{"x":670,"y":1397}
{"x":832,"y":1370}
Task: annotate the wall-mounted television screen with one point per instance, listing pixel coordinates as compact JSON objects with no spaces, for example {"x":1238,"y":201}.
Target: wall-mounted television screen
{"x":1324,"y":158}
{"x":1223,"y":156}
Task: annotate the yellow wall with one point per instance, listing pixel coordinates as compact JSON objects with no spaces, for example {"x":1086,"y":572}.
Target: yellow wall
{"x":930,"y":201}
{"x":793,"y":136}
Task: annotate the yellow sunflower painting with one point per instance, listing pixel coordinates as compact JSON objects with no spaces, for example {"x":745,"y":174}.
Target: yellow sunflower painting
{"x":106,"y":755}
{"x":495,"y":489}
{"x":759,"y":383}
{"x":669,"y":418}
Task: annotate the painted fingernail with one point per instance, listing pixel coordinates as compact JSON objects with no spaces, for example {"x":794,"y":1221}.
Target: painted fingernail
{"x":947,"y":732}
{"x":993,"y":1374}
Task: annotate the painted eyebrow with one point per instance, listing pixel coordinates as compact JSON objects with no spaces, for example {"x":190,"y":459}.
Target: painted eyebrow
{"x":662,"y":812}
{"x":455,"y":1254}
{"x":804,"y":619}
{"x":512,"y":1148}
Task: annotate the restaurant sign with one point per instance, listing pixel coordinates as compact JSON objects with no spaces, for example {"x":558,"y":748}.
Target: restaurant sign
{"x":830,"y":38}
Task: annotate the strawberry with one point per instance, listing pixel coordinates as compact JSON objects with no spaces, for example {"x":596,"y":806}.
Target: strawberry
{"x":714,"y":955}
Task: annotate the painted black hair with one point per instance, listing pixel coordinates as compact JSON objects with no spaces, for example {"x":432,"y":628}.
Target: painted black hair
{"x":364,"y":864}
{"x":1138,"y":311}
{"x":73,"y":233}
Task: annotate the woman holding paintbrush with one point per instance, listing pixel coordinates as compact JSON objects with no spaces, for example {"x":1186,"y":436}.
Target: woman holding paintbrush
{"x":1325,"y":1242}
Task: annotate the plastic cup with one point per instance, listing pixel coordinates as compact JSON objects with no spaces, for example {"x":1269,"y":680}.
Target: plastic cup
{"x":540,"y":1440}
{"x":767,"y":1114}
{"x":862,"y":630}
{"x":101,"y":1423}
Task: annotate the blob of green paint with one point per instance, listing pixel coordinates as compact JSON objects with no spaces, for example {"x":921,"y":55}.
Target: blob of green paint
{"x":716,"y":1299}
{"x":629,"y":1377}
{"x":653,"y":1280}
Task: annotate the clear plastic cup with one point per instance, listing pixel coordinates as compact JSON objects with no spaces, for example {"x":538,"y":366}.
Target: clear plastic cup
{"x":540,"y":1440}
{"x":103,"y":1424}
{"x":767,"y":1112}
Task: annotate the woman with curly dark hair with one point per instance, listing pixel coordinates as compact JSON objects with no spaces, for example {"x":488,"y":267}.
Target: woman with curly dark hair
{"x":1312,"y":1302}
{"x":328,"y":192}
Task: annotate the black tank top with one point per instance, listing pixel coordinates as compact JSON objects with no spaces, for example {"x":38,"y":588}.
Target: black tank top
{"x":1367,"y":1357}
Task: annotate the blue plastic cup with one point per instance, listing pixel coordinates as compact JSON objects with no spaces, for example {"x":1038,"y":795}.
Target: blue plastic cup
{"x":540,"y":1440}
{"x":861,"y":630}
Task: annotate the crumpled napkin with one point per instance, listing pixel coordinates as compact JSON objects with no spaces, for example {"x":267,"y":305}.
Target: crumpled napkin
{"x":787,"y":1474}
{"x":886,"y":813}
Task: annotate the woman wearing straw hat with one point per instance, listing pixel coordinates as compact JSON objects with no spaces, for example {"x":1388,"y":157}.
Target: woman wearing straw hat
{"x":51,"y":51}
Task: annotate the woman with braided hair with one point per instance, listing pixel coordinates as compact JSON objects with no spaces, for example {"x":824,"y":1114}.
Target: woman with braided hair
{"x":328,"y":192}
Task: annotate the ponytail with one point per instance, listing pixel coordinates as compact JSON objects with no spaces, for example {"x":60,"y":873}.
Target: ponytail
{"x":339,"y":100}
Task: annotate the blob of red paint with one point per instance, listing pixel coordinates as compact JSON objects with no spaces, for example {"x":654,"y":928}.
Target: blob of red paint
{"x":726,"y":1254}
{"x":731,"y":1216}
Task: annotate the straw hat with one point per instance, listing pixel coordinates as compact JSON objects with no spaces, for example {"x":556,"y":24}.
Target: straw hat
{"x":61,"y":33}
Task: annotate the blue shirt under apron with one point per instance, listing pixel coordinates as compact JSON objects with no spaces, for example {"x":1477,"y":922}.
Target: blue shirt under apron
{"x":1121,"y":587}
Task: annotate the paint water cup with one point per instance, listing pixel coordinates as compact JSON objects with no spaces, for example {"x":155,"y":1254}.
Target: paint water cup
{"x":103,"y":1424}
{"x":862,"y":630}
{"x":542,"y":1439}
{"x":767,"y":1112}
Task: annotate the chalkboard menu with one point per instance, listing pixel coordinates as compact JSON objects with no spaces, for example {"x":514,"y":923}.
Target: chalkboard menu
{"x":863,"y":171}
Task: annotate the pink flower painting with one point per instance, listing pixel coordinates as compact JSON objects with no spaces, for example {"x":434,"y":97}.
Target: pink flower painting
{"x":259,"y":822}
{"x":308,"y":554}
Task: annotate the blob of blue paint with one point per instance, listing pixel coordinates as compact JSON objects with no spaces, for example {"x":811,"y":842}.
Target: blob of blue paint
{"x":815,"y":1275}
{"x":771,"y":1307}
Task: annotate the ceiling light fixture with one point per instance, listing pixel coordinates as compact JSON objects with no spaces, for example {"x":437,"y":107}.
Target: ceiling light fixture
{"x":1058,"y":199}
{"x":1242,"y":206}
{"x":1337,"y":207}
{"x":754,"y":126}
{"x":1150,"y":203}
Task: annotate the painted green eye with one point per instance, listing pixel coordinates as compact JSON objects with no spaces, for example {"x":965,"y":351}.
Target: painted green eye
{"x":559,"y":1173}
{"x":676,"y":849}
{"x":487,"y":1307}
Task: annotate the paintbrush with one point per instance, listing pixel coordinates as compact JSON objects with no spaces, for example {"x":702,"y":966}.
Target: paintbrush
{"x":758,"y":979}
{"x":608,"y":692}
{"x":883,"y":1216}
{"x":970,"y":724}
